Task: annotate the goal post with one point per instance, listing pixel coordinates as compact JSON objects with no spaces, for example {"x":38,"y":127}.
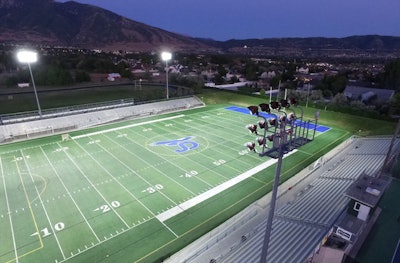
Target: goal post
{"x":65,"y":137}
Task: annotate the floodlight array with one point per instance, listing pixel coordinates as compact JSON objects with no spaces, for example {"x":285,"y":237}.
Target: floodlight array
{"x":280,"y":124}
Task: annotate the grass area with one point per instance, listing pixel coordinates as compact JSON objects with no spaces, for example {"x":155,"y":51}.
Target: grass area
{"x":77,"y":96}
{"x":99,"y":196}
{"x":26,"y":102}
{"x":352,"y":123}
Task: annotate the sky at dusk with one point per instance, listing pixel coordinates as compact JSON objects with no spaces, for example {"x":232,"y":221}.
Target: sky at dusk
{"x":243,"y":19}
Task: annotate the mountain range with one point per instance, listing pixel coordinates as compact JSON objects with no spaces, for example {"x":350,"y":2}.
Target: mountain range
{"x":71,"y":24}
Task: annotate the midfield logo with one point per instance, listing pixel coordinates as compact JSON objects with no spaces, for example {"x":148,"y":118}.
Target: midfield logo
{"x":184,"y":144}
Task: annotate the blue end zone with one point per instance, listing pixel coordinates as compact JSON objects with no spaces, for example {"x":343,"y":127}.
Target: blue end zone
{"x":319,"y":128}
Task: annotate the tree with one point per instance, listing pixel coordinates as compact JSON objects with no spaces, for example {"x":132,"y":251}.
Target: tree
{"x":395,"y":106}
{"x":82,"y":76}
{"x":332,"y":84}
{"x":218,"y":79}
{"x":195,"y":83}
{"x":221,"y":70}
{"x":391,"y":75}
{"x":11,"y":81}
{"x":274,"y":82}
{"x":53,"y":75}
{"x":233,"y":79}
{"x":339,"y":99}
{"x":251,"y":70}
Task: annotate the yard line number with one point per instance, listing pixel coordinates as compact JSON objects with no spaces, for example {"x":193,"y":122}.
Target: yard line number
{"x":21,"y":158}
{"x":61,"y":149}
{"x":153,"y":189}
{"x":219,"y":162}
{"x":45,"y":232}
{"x":189,"y":174}
{"x":106,"y":208}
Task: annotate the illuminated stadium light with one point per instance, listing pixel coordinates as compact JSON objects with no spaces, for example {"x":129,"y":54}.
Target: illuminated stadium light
{"x":291,"y":116}
{"x":166,"y":56}
{"x":251,"y":146}
{"x":293,"y":101}
{"x":28,"y":57}
{"x":253,"y":110}
{"x":262,"y":124}
{"x":272,"y":121}
{"x":261,"y":141}
{"x":252,"y":128}
{"x":285,"y":103}
{"x":275,"y":105}
{"x":265,"y":107}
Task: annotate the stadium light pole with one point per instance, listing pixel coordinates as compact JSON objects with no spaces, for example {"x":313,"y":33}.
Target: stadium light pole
{"x":268,"y":227}
{"x":280,"y":134}
{"x":28,"y":57}
{"x":166,"y":56}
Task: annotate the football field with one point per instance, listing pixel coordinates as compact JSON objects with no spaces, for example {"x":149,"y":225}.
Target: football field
{"x":132,"y":191}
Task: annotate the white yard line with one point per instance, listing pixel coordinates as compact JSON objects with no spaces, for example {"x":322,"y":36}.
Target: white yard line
{"x":119,"y":183}
{"x":9,"y":212}
{"x":95,"y":188}
{"x":69,"y":193}
{"x":43,"y":206}
{"x":127,"y":126}
{"x":216,"y":190}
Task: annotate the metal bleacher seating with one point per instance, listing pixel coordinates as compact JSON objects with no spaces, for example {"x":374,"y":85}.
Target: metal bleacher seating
{"x":28,"y":125}
{"x":300,"y":225}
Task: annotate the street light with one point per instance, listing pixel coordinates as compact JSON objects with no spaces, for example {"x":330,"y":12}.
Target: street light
{"x":28,"y":57}
{"x":166,"y":56}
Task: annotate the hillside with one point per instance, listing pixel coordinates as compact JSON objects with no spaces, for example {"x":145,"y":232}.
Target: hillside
{"x":71,"y":24}
{"x":47,"y":22}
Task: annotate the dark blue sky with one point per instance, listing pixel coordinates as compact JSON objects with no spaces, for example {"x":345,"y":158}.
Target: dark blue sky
{"x":242,"y":19}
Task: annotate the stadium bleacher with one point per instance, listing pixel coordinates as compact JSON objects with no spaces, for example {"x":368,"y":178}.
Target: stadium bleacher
{"x":23,"y":126}
{"x":304,"y":219}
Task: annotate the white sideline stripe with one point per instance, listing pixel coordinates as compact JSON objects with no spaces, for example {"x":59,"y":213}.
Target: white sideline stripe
{"x":125,"y":127}
{"x":216,"y":190}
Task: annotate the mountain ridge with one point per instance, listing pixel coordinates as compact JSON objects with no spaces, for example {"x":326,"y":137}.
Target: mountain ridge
{"x":72,"y":24}
{"x":82,"y":25}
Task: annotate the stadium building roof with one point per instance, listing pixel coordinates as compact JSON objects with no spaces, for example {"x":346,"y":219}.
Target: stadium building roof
{"x":364,"y":93}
